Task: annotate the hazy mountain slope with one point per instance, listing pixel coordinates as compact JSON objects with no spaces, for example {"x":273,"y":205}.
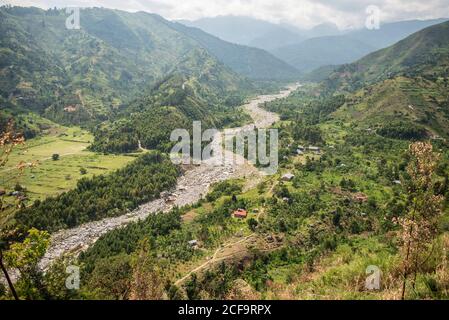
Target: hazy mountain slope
{"x":237,"y":29}
{"x":423,"y":54}
{"x":323,"y":51}
{"x":258,"y":33}
{"x":251,"y":62}
{"x":276,"y":38}
{"x":390,"y":33}
{"x":317,"y":52}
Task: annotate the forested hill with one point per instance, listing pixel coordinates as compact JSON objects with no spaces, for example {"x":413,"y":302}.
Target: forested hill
{"x":423,"y":54}
{"x":199,"y":88}
{"x":251,"y":62}
{"x":76,"y":76}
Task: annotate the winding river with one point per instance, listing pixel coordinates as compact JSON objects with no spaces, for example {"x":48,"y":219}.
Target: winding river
{"x":191,"y":187}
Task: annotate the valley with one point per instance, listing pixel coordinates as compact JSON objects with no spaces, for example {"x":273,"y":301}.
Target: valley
{"x":352,"y":204}
{"x":191,"y":187}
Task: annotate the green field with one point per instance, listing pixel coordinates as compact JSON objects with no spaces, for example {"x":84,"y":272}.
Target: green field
{"x":51,"y":177}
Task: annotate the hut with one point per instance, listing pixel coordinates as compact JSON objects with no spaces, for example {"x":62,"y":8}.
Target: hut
{"x":240,"y":213}
{"x":288,"y":177}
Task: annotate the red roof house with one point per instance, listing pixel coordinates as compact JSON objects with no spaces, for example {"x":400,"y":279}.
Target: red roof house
{"x":240,"y":213}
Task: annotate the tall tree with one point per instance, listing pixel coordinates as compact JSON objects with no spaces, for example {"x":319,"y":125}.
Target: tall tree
{"x":147,"y":281}
{"x":25,"y":256}
{"x":419,"y":226}
{"x":9,"y":139}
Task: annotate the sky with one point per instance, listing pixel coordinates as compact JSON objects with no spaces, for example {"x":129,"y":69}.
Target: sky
{"x":300,"y":13}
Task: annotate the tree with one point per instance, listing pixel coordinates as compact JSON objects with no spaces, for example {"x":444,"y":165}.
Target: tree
{"x":25,"y":256}
{"x":419,"y":226}
{"x":252,"y":224}
{"x":55,"y":157}
{"x":9,"y":139}
{"x":110,"y":279}
{"x":192,"y":288}
{"x":83,"y":171}
{"x":8,"y":279}
{"x":147,"y":282}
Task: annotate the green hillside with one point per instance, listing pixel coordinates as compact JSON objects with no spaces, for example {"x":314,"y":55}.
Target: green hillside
{"x":88,"y":75}
{"x":73,"y":76}
{"x":251,"y":62}
{"x":199,"y":88}
{"x":423,"y":54}
{"x":406,"y":106}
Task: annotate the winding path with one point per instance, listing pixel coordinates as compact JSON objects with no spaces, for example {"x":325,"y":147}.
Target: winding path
{"x":191,"y":187}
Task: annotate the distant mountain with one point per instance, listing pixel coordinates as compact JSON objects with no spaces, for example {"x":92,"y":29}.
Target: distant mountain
{"x":333,"y":50}
{"x":258,"y":33}
{"x":423,"y":54}
{"x":322,"y":30}
{"x":390,"y":33}
{"x":317,"y":52}
{"x":251,"y":62}
{"x":276,"y":38}
{"x":239,"y":29}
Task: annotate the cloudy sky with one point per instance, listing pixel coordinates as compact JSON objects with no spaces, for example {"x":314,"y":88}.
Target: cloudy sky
{"x":301,"y":13}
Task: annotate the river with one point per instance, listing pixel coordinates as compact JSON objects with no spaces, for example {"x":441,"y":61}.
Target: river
{"x":190,"y":188}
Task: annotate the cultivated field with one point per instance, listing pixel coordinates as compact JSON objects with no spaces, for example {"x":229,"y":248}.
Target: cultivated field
{"x":50,"y":177}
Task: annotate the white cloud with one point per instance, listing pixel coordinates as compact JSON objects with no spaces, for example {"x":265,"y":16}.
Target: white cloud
{"x":302,"y":13}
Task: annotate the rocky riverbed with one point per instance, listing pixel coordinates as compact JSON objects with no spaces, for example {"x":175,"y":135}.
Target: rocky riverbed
{"x":191,"y":187}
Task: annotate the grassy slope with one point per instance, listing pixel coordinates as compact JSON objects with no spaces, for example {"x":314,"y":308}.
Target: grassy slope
{"x":417,"y":101}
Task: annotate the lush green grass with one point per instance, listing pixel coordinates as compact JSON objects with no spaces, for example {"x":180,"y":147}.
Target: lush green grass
{"x":51,"y":177}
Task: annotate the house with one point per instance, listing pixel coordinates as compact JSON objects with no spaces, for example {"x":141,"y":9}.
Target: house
{"x":2,"y":192}
{"x":301,"y":148}
{"x":240,"y":213}
{"x":299,"y":152}
{"x":287,"y":177}
{"x":397,"y":182}
{"x":70,"y":109}
{"x":193,"y":243}
{"x":314,"y":149}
